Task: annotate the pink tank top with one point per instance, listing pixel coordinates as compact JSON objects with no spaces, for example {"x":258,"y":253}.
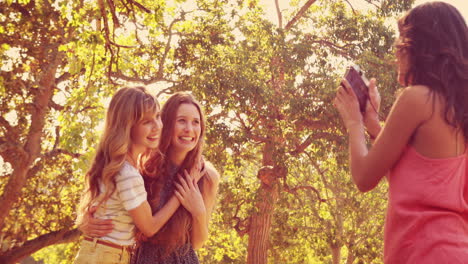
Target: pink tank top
{"x":427,"y":214}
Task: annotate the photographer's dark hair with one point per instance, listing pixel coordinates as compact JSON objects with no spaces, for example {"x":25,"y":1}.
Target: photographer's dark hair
{"x":434,"y":36}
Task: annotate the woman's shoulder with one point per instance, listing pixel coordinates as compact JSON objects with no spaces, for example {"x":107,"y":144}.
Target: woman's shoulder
{"x":419,"y":105}
{"x":417,"y":97}
{"x":128,"y":171}
{"x":416,"y":92}
{"x":212,"y":172}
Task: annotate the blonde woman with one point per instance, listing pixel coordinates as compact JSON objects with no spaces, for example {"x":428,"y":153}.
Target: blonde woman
{"x":114,"y":185}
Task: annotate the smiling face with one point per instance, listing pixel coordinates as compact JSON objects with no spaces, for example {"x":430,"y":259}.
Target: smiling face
{"x":146,"y":133}
{"x":187,"y":129}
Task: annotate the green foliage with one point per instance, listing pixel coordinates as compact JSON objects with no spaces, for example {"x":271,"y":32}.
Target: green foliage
{"x":35,"y":33}
{"x":57,"y":254}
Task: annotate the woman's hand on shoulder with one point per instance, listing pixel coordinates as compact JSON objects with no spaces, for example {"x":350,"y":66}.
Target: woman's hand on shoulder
{"x":197,"y":171}
{"x":210,"y":185}
{"x":212,"y":174}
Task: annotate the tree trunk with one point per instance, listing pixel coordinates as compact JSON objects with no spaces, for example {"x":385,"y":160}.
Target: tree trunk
{"x":350,"y":258}
{"x":260,"y":225}
{"x":16,"y":254}
{"x":269,"y":175}
{"x":260,"y":220}
{"x":25,"y":155}
{"x":12,"y":189}
{"x":336,"y":253}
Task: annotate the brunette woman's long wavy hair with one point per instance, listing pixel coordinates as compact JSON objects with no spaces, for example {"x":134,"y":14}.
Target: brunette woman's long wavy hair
{"x":176,"y":232}
{"x":127,"y":107}
{"x":434,"y":37}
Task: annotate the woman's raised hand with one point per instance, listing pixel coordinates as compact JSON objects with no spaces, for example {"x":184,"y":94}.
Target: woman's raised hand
{"x":196,"y":172}
{"x":189,"y":195}
{"x":371,"y":116}
{"x":348,"y":106}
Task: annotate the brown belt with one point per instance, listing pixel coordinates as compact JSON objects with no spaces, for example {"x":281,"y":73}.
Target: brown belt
{"x":109,"y":244}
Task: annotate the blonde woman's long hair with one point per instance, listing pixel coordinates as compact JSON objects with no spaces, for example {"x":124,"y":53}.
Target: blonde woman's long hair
{"x":127,"y":107}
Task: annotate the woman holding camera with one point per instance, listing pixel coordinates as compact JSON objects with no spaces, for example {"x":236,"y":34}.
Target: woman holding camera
{"x":422,"y":147}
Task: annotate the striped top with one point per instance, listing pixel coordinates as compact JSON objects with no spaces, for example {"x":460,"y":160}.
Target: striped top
{"x":129,"y":193}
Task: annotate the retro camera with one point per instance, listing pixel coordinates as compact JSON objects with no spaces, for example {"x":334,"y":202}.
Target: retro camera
{"x":358,"y":82}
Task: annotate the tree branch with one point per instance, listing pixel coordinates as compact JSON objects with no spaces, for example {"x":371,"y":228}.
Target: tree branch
{"x":305,"y":123}
{"x":115,"y":20}
{"x":350,"y":5}
{"x":56,"y":152}
{"x":55,"y":106}
{"x":16,"y":254}
{"x":168,"y":90}
{"x":374,"y":4}
{"x":301,"y":147}
{"x":167,"y":47}
{"x":32,"y":147}
{"x":65,"y":76}
{"x":120,"y":75}
{"x":86,"y":108}
{"x":4,"y":123}
{"x":142,"y":7}
{"x":311,"y":138}
{"x":341,"y":50}
{"x":10,"y":151}
{"x":278,"y":12}
{"x":299,"y":14}
{"x":322,"y":175}
{"x":248,"y":130}
{"x":242,"y":225}
{"x":294,"y":190}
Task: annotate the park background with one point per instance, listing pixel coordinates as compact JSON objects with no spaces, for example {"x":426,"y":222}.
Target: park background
{"x":266,"y":73}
